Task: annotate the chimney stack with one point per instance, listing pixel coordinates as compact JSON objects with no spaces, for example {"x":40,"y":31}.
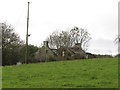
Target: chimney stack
{"x":45,"y":43}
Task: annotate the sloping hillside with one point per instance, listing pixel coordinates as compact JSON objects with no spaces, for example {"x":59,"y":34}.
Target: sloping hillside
{"x":67,"y":74}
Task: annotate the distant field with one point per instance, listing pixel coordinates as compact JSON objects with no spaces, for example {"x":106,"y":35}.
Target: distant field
{"x":100,"y":73}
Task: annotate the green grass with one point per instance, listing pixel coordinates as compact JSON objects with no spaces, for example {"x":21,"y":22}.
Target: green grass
{"x":92,"y":73}
{"x":0,"y":77}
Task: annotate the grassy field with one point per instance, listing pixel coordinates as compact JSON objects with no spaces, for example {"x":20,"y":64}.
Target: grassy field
{"x":92,"y":73}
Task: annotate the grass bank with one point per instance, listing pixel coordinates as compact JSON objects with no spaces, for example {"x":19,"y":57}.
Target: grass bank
{"x":100,"y":73}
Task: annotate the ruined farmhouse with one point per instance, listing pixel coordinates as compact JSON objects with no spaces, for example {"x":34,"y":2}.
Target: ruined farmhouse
{"x":45,"y":53}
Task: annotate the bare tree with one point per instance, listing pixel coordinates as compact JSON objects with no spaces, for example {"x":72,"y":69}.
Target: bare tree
{"x":65,"y":39}
{"x":54,"y":40}
{"x":80,"y":36}
{"x":117,"y":39}
{"x":69,"y":38}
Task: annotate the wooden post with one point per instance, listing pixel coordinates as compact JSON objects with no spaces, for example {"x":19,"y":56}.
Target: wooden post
{"x":26,"y":54}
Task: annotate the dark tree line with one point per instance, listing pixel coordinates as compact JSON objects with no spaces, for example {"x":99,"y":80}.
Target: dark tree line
{"x":13,"y":48}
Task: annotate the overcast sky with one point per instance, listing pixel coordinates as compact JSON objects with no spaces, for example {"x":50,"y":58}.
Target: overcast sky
{"x":99,"y":17}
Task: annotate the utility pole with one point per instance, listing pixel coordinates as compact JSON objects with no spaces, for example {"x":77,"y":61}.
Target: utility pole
{"x":26,"y":53}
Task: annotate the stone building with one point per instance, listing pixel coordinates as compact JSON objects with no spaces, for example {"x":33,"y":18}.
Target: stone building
{"x":45,"y":53}
{"x":74,"y":52}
